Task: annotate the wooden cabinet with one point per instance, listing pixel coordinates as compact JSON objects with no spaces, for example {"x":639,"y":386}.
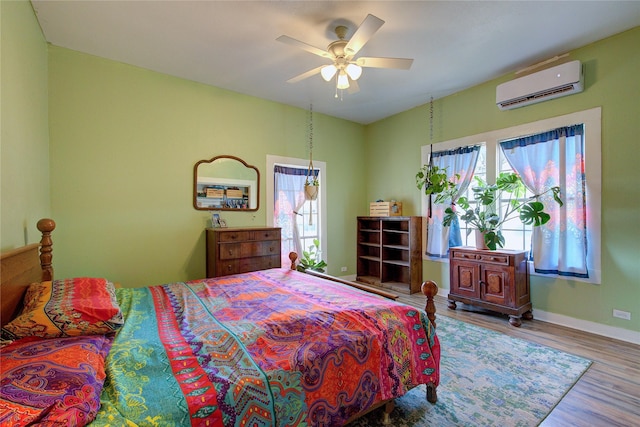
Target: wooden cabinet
{"x":239,"y":250}
{"x":388,"y":250}
{"x":494,"y":280}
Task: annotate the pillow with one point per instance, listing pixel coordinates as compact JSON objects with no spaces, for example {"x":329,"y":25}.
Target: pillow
{"x":64,"y":308}
{"x":53,"y":381}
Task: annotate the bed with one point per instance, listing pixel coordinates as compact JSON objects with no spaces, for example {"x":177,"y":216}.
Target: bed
{"x":267,"y":348}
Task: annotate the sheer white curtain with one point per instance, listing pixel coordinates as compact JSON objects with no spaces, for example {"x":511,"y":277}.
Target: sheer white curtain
{"x":555,"y":158}
{"x":461,"y":161}
{"x":289,"y":198}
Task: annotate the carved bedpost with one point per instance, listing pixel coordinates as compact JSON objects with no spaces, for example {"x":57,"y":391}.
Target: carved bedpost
{"x":430,"y":289}
{"x":46,"y":226}
{"x":293,"y":257}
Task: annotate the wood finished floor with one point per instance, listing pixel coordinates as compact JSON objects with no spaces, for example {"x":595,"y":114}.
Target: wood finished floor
{"x":607,"y":395}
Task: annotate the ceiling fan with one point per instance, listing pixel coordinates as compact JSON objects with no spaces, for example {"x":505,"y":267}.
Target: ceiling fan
{"x":344,"y":66}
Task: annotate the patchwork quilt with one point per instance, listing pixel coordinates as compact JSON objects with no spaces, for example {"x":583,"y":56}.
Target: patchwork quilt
{"x":267,"y":348}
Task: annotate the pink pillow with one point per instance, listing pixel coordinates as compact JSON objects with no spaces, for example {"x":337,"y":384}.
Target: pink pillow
{"x":63,"y":308}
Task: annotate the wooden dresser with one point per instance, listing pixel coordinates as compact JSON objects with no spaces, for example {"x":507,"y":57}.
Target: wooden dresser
{"x":494,"y":280}
{"x":242,"y":249}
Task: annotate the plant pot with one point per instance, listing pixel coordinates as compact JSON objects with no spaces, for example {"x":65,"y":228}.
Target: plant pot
{"x":311,"y":192}
{"x":480,"y":244}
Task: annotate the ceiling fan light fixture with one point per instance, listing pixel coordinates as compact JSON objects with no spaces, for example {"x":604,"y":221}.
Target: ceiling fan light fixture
{"x":328,"y":72}
{"x":354,"y":71}
{"x":343,"y":80}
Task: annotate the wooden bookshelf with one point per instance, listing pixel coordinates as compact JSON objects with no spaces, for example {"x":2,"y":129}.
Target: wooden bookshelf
{"x":388,"y":250}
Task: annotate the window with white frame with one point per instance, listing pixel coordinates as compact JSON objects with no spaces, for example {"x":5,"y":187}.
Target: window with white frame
{"x":300,"y":220}
{"x":492,"y":161}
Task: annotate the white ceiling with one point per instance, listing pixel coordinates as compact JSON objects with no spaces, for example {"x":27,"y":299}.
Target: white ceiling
{"x":232,"y":44}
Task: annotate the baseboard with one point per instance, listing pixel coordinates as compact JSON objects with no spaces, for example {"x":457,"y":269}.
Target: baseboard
{"x":587,"y":326}
{"x":350,"y":277}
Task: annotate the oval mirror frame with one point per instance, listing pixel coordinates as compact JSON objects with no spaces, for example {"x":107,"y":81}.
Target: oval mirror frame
{"x":226,"y":183}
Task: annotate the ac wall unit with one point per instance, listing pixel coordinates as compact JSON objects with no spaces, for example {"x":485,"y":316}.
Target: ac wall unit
{"x":554,"y":82}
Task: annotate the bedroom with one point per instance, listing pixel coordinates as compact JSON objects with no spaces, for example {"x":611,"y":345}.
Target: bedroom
{"x":122,"y":201}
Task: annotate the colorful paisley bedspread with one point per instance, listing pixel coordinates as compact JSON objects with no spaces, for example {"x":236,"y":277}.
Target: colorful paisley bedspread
{"x":268,"y":348}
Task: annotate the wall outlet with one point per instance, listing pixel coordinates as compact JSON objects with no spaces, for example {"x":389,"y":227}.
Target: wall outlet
{"x":343,"y":269}
{"x":621,"y":314}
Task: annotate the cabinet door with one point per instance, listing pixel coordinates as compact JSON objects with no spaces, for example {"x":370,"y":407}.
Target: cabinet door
{"x":465,"y":279}
{"x":496,"y":284}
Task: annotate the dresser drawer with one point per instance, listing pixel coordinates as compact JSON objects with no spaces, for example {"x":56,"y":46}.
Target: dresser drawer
{"x":230,"y":250}
{"x":266,"y":235}
{"x":259,"y":263}
{"x":257,"y":248}
{"x":227,"y":267}
{"x":482,"y":257}
{"x":244,"y":236}
{"x":233,"y":236}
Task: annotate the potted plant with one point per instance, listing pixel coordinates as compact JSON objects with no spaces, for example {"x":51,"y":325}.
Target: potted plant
{"x":311,"y":259}
{"x":311,"y":188}
{"x":433,"y":180}
{"x":484,"y":217}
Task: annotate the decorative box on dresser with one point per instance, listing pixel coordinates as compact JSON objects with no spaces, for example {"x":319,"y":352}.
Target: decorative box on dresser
{"x":242,"y":249}
{"x":493,"y":280}
{"x":388,"y":251}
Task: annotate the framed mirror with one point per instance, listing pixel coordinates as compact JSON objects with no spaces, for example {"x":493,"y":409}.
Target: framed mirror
{"x":225,"y":183}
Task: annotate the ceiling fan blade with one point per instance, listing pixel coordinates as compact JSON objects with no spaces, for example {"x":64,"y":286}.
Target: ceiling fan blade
{"x":305,"y":75}
{"x":365,"y":31}
{"x":353,"y":86}
{"x":302,"y":45}
{"x":397,"y":63}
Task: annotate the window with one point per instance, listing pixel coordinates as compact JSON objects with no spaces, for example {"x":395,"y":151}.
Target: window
{"x":301,"y":220}
{"x":469,"y":238}
{"x":517,"y":235}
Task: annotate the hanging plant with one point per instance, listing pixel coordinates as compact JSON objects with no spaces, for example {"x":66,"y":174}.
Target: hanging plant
{"x":433,"y":179}
{"x":311,"y":191}
{"x":430,"y":178}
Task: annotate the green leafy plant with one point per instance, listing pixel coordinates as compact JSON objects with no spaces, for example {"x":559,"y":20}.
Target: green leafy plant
{"x":310,"y":259}
{"x":433,"y":180}
{"x":485,"y":217}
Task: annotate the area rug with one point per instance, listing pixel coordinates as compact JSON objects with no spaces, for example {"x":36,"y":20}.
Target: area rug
{"x":487,"y":379}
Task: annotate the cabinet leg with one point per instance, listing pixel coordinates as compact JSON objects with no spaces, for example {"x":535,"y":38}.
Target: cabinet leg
{"x":527,"y":315}
{"x":451,"y":304}
{"x":515,"y":321}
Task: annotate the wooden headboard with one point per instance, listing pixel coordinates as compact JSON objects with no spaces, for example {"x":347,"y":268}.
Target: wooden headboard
{"x":22,"y":266}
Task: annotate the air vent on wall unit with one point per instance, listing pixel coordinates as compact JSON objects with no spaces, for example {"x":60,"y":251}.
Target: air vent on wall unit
{"x":561,"y":80}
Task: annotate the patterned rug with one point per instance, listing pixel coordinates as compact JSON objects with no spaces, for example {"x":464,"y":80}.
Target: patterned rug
{"x":487,"y":379}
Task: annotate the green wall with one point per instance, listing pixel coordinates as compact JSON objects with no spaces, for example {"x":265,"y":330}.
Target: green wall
{"x":124,"y":141}
{"x":612,"y":67}
{"x":24,"y":139}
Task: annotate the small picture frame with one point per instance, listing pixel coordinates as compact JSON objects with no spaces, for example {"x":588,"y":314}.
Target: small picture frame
{"x":222,"y":223}
{"x":215,"y":220}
